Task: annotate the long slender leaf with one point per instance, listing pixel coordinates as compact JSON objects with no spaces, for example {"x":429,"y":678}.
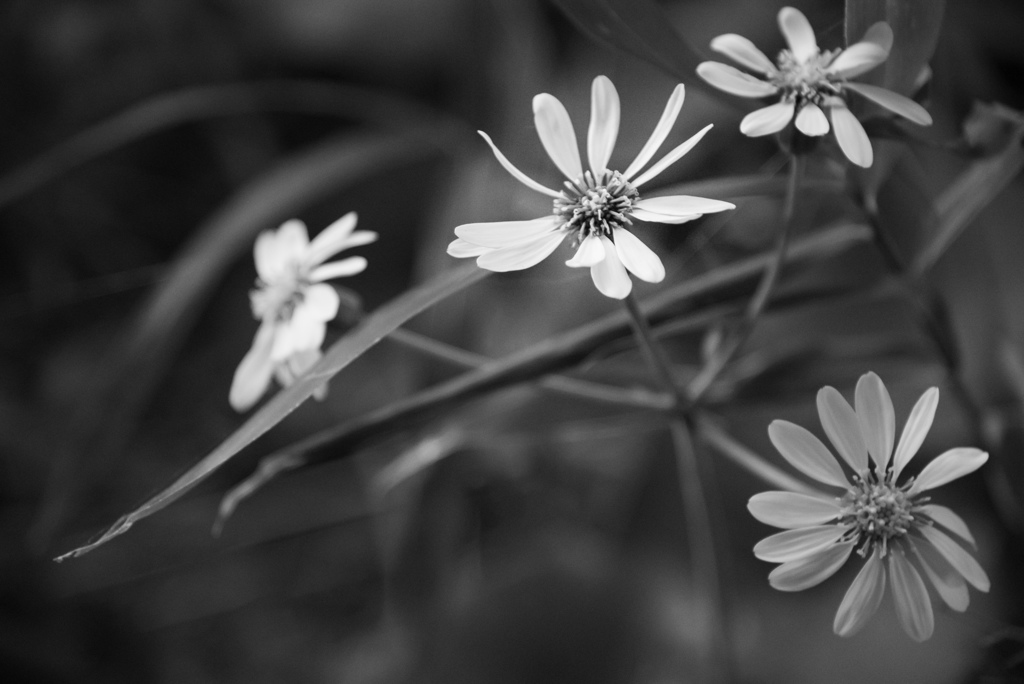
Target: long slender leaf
{"x":372,"y":329}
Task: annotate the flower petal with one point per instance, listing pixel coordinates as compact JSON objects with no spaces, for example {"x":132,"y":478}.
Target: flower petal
{"x":798,"y":33}
{"x":913,"y":607}
{"x":843,"y":429}
{"x":850,"y":135}
{"x":859,"y":58}
{"x":862,"y":598}
{"x":916,"y":429}
{"x":520,"y":256}
{"x":671,"y":157}
{"x":506,"y":233}
{"x":637,"y":257}
{"x":962,"y":562}
{"x":733,"y":81}
{"x":810,"y":120}
{"x":792,"y":545}
{"x":947,"y":467}
{"x":334,"y":238}
{"x":810,"y":571}
{"x":338,"y":269}
{"x":604,"y":124}
{"x":806,"y":453}
{"x":516,"y":173}
{"x":767,"y":120}
{"x":644,"y":215}
{"x":319,"y":303}
{"x":557,"y":134}
{"x":682,"y":205}
{"x":461,"y":249}
{"x":876,"y":417}
{"x":590,"y":253}
{"x":743,"y":51}
{"x":302,"y":332}
{"x":949,"y":583}
{"x":668,"y":119}
{"x":253,"y":374}
{"x":950,"y":520}
{"x":268,"y":266}
{"x":610,"y":275}
{"x":894,"y":102}
{"x":791,"y":510}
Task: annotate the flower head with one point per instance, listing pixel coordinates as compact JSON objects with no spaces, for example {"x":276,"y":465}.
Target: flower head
{"x":292,"y":302}
{"x":809,"y":81}
{"x":893,"y":526}
{"x":594,"y":207}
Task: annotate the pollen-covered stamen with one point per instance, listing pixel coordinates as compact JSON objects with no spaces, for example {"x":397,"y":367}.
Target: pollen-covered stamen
{"x":809,"y":81}
{"x":878,"y":511}
{"x":594,"y":206}
{"x":277,"y":300}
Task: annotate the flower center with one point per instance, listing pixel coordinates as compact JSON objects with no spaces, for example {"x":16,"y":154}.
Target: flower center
{"x":879,"y":511}
{"x":809,"y":81}
{"x":590,"y":206}
{"x":278,"y":299}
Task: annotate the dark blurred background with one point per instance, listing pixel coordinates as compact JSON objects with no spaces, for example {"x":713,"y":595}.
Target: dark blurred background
{"x":144,"y":145}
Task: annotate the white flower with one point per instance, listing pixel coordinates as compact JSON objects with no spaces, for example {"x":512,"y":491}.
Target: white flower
{"x":809,"y":81}
{"x":595,"y":206}
{"x":292,"y":302}
{"x":887,"y":524}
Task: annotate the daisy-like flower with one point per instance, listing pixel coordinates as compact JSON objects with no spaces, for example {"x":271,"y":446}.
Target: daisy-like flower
{"x":893,"y":526}
{"x":593,"y":207}
{"x":292,"y":302}
{"x":810,"y":81}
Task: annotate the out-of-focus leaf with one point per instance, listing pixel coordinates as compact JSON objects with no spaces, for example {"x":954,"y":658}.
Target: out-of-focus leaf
{"x":915,"y":25}
{"x":638,"y":27}
{"x":979,"y":184}
{"x":370,"y":331}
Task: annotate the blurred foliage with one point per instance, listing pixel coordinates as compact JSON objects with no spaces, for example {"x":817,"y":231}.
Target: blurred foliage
{"x":148,"y":141}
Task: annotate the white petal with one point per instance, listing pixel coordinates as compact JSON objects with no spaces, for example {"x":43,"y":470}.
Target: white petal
{"x":950,"y":520}
{"x":862,"y":598}
{"x":516,"y":173}
{"x":268,"y":266}
{"x":331,"y":239}
{"x":557,"y":135}
{"x":733,"y":81}
{"x":461,"y":249}
{"x":798,"y":33}
{"x":645,"y":215}
{"x":291,"y":241}
{"x":949,"y":466}
{"x":338,"y":269}
{"x":949,"y":583}
{"x":296,"y":365}
{"x":610,"y":276}
{"x":806,"y":453}
{"x":808,"y":572}
{"x":604,"y":124}
{"x":637,"y":257}
{"x":876,"y":417}
{"x":791,"y":510}
{"x":810,"y":120}
{"x":792,"y":545}
{"x":253,"y":374}
{"x":850,"y":135}
{"x":682,"y":205}
{"x":961,"y":561}
{"x":671,"y":157}
{"x":507,"y":233}
{"x":913,"y":607}
{"x":894,"y":102}
{"x":299,"y":334}
{"x":741,"y":50}
{"x":319,"y":303}
{"x":859,"y":58}
{"x":590,"y":253}
{"x":916,"y":429}
{"x":665,"y":123}
{"x":767,"y":120}
{"x":843,"y":429}
{"x":518,"y":257}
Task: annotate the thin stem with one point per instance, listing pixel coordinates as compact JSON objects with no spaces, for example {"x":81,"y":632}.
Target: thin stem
{"x":652,"y":352}
{"x":704,"y":379}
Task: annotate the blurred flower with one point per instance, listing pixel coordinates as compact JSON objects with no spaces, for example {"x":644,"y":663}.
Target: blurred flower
{"x":595,"y":206}
{"x":885,"y":523}
{"x":292,"y":302}
{"x":808,"y":81}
